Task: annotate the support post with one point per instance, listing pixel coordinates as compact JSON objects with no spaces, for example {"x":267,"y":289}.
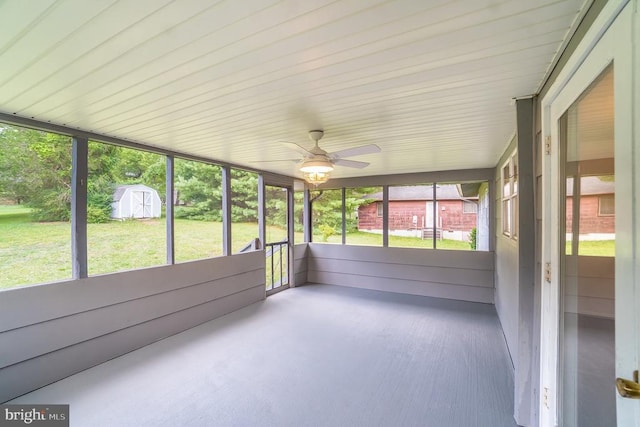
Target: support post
{"x":344,"y":216}
{"x":385,"y":216}
{"x":435,"y":214}
{"x":306,"y":216}
{"x":169,"y":195}
{"x":525,"y":361}
{"x":226,"y":210}
{"x":262,"y":210}
{"x":80,"y":159}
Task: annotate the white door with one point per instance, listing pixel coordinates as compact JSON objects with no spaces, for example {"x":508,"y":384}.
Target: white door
{"x":429,"y":221}
{"x":138,"y":204}
{"x":591,"y":234}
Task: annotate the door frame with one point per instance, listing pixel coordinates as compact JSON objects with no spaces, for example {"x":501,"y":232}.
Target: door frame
{"x":290,"y":231}
{"x":608,"y":39}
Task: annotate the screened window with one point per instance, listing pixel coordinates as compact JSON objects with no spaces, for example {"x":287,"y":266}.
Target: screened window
{"x":197,"y":203}
{"x":35,"y":206}
{"x":509,"y":178}
{"x":244,"y":211}
{"x":326,"y":216}
{"x":363,"y":216}
{"x":125,"y":209}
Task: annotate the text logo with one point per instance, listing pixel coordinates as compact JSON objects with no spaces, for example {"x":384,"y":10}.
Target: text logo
{"x":34,"y":415}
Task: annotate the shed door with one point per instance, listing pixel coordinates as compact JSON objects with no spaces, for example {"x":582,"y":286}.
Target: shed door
{"x":141,"y":204}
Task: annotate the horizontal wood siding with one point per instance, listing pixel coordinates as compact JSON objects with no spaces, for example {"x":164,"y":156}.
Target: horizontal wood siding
{"x":300,"y":263}
{"x":590,"y":286}
{"x":48,"y":332}
{"x":461,"y":275}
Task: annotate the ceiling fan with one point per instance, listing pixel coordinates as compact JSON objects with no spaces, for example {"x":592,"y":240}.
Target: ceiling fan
{"x":317,"y":163}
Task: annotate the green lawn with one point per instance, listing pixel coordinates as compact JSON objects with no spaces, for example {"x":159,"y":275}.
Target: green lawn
{"x":371,"y":239}
{"x":33,"y":252}
{"x":595,"y":248}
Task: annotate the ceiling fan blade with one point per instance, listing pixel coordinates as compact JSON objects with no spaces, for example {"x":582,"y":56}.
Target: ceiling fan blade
{"x":350,"y":163}
{"x":297,"y":148}
{"x":356,"y":151}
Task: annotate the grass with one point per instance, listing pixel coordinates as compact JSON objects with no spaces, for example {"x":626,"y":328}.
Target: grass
{"x":33,"y":252}
{"x":595,"y":248}
{"x":371,"y":239}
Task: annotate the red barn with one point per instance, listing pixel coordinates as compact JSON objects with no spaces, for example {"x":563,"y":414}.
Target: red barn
{"x":411,"y":211}
{"x":596,"y":207}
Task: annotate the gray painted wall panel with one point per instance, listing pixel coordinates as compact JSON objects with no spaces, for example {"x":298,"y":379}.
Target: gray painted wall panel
{"x":476,"y":260}
{"x":54,"y":330}
{"x":300,"y":264}
{"x":463,"y":275}
{"x":31,"y":374}
{"x":45,"y":337}
{"x":590,"y":286}
{"x":32,"y":304}
{"x":447,"y":275}
{"x":423,"y":288}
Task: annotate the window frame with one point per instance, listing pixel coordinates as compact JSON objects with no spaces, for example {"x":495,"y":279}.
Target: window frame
{"x":509,"y":196}
{"x":468,"y":203}
{"x":611,"y":197}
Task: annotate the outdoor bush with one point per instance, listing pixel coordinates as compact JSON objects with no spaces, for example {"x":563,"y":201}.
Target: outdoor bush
{"x":201,"y":211}
{"x":96,"y":215}
{"x":473,"y":237}
{"x":326,"y":231}
{"x":99,"y":199}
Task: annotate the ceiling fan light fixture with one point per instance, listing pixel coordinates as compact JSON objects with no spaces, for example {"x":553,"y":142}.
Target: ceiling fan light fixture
{"x":316,"y":165}
{"x":316,"y":178}
{"x":316,"y":171}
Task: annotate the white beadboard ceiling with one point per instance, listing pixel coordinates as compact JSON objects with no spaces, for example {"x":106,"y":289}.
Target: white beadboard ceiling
{"x":430,"y":82}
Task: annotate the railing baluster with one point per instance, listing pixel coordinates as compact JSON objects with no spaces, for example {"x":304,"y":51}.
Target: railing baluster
{"x":272,"y":276}
{"x":283,"y":262}
{"x":281,"y":265}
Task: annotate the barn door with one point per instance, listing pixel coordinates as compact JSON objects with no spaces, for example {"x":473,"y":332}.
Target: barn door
{"x":147,"y":199}
{"x":137,"y":204}
{"x":141,"y":204}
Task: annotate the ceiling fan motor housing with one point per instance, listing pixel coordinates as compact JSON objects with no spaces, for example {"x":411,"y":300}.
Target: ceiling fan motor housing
{"x":316,"y":135}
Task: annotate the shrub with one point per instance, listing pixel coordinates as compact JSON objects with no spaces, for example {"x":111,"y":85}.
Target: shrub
{"x":326,"y":231}
{"x":200,"y":211}
{"x":473,"y":236}
{"x":96,"y":215}
{"x":99,"y":199}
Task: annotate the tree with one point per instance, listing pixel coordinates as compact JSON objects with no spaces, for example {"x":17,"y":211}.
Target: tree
{"x":327,"y":206}
{"x":244,"y":196}
{"x":199,"y":187}
{"x":36,"y":170}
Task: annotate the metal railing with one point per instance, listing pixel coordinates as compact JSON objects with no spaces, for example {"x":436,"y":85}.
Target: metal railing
{"x":277,"y":265}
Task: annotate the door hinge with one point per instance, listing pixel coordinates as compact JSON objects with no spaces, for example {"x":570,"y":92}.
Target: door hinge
{"x":547,"y":272}
{"x":545,"y":397}
{"x":547,"y":144}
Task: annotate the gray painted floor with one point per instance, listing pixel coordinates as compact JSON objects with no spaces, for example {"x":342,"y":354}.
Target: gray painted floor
{"x":316,"y":355}
{"x":589,"y":371}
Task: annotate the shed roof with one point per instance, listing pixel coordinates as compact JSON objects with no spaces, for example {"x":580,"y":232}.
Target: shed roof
{"x":121,"y":189}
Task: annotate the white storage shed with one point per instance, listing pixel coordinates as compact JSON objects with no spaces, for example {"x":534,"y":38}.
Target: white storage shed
{"x":135,"y":201}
